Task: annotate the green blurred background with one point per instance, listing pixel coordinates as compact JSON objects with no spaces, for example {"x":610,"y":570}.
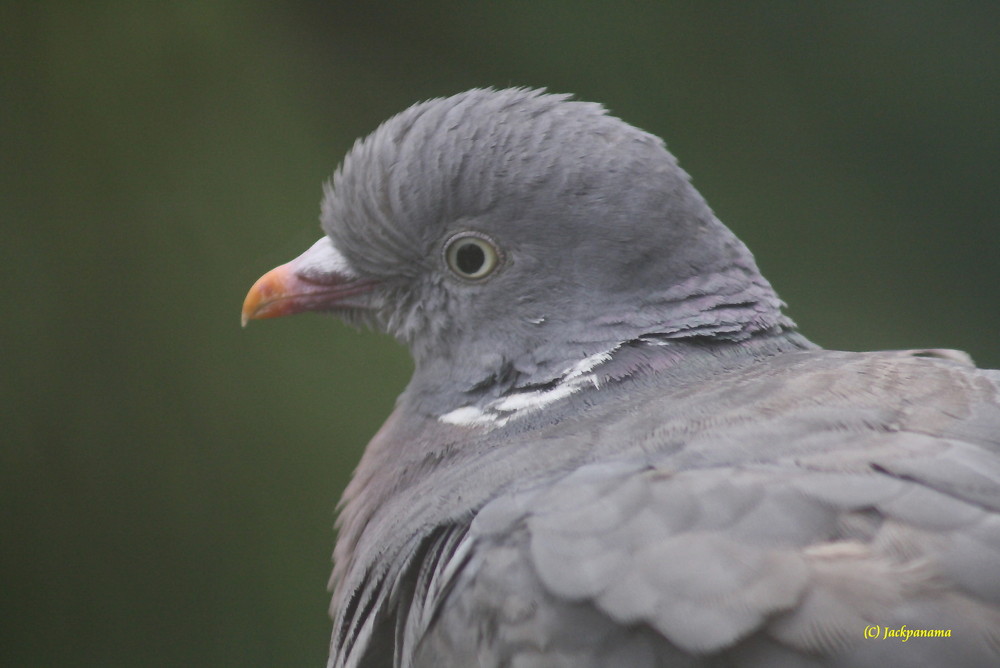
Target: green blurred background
{"x":168,"y":480}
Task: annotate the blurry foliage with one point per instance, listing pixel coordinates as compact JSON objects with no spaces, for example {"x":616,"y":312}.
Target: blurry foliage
{"x":168,"y":480}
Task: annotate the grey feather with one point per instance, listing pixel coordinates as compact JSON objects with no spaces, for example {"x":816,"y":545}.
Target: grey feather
{"x":615,"y":449}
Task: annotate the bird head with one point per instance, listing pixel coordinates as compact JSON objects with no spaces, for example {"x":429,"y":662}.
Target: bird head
{"x":512,"y":233}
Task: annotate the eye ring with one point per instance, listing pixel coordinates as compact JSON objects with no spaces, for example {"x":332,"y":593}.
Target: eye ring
{"x":471,"y":255}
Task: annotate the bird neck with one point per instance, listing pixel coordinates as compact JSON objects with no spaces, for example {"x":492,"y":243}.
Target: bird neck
{"x":506,"y":394}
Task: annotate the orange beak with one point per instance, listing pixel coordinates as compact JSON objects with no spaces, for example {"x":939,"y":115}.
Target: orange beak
{"x":318,"y":280}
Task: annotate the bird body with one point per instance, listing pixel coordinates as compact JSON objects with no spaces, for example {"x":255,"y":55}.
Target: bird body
{"x":615,"y":449}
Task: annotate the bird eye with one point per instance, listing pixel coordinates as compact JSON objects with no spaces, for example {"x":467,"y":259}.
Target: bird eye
{"x":471,"y":256}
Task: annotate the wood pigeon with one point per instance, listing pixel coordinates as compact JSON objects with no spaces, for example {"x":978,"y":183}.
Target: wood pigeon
{"x":615,"y":449}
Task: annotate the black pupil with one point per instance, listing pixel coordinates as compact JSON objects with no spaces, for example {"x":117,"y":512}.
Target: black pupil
{"x":470,"y":258}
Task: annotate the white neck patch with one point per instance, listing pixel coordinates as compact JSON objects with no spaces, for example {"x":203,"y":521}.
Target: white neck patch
{"x":517,"y":404}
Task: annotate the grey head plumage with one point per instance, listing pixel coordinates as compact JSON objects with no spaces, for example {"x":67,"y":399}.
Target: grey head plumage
{"x":599,"y":238}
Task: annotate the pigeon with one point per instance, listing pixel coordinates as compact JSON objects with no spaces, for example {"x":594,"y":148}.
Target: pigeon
{"x":615,"y":448}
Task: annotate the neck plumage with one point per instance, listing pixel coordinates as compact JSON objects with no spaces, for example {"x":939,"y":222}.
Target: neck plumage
{"x":626,"y":360}
{"x":733,"y":306}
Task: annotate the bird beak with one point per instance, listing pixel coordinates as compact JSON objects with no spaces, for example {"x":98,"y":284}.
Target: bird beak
{"x":318,"y":280}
